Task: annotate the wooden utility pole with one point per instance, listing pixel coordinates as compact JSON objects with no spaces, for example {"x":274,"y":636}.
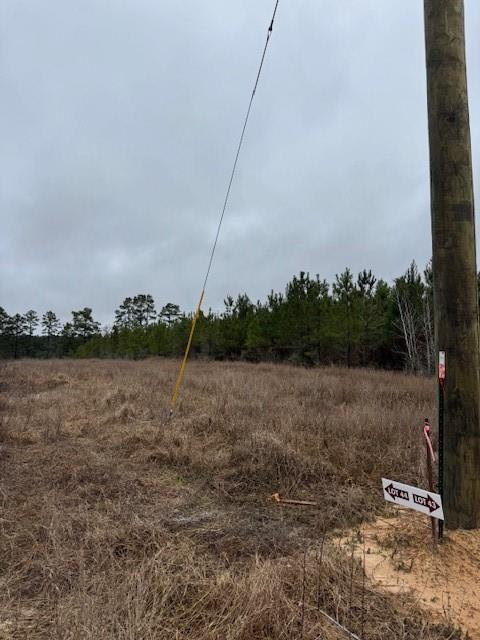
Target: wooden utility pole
{"x":454,"y":260}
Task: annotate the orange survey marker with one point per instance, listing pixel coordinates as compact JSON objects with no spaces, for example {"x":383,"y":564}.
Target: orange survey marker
{"x":426,"y":433}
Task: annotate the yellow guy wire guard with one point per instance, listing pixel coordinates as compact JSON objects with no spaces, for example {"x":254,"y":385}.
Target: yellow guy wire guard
{"x":181,"y":372}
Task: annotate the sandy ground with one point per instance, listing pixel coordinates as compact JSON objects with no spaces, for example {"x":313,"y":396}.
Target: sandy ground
{"x":398,"y":555}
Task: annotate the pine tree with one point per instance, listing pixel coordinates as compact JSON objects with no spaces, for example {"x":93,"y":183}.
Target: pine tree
{"x":50,"y":328}
{"x":3,"y":321}
{"x":84,"y":326}
{"x":17,"y":327}
{"x":31,"y":319}
{"x":124,"y":315}
{"x":345,"y":295}
{"x":169,"y":313}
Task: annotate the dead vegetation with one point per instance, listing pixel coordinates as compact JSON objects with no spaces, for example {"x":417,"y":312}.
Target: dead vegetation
{"x":118,"y":522}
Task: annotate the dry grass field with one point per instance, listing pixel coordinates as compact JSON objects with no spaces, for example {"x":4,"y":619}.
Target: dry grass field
{"x":119,"y":522}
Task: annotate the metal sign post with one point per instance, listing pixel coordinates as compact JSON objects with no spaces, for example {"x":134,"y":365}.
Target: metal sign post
{"x":441,"y":398}
{"x":430,"y":463}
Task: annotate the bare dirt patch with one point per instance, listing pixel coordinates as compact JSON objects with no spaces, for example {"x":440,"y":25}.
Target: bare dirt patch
{"x":399,"y":558}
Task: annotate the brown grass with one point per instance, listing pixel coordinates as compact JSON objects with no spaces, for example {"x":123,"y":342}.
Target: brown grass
{"x":120,"y":523}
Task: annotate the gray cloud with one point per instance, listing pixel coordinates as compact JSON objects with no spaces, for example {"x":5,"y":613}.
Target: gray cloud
{"x":119,"y":122}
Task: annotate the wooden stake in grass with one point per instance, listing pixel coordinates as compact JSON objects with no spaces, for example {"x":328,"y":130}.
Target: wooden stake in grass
{"x":454,"y":259}
{"x":276,"y":497}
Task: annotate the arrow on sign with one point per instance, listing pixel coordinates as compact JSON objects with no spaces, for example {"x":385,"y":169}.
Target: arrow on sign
{"x":396,"y":492}
{"x":426,"y":501}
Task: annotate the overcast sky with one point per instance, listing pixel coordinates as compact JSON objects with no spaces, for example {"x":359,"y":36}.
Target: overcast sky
{"x":119,"y":121}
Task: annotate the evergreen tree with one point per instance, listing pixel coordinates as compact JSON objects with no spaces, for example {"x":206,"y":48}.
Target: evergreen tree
{"x":4,"y":334}
{"x":345,"y":296}
{"x":371,"y":319}
{"x":233,"y":327}
{"x":124,"y":315}
{"x":68,"y":340}
{"x":50,"y":328}
{"x":4,"y":317}
{"x":31,"y":319}
{"x":50,"y":324}
{"x":305,"y":316}
{"x":17,"y":327}
{"x":169,"y":313}
{"x":68,"y":330}
{"x":143,"y":310}
{"x":84,"y":326}
{"x":149,"y":310}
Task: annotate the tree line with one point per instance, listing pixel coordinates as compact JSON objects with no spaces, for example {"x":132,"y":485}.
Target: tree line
{"x":355,"y":320}
{"x":19,"y":333}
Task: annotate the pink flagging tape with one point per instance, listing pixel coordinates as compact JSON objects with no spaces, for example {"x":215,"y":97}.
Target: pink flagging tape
{"x":426,"y":433}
